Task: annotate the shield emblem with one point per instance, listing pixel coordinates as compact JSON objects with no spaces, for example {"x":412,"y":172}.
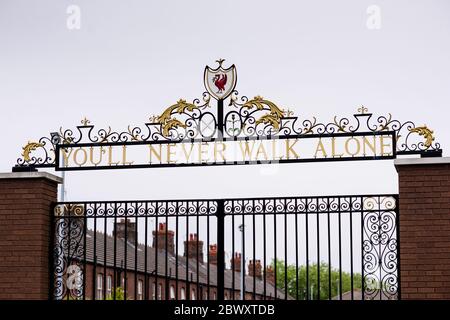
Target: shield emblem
{"x":220,"y":82}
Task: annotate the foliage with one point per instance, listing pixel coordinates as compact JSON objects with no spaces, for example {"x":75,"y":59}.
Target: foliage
{"x":312,"y":272}
{"x":120,"y":295}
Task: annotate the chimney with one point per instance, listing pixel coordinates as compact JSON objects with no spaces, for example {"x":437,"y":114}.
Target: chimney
{"x":236,"y":262}
{"x":258,"y":269}
{"x":270,"y":275}
{"x":119,"y":230}
{"x":159,"y":238}
{"x":191,"y":246}
{"x":213,"y":254}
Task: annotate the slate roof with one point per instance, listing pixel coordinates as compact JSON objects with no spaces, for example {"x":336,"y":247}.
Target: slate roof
{"x":135,"y":260}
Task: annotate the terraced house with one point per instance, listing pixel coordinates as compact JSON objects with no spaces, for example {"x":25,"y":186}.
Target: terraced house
{"x":118,"y":266}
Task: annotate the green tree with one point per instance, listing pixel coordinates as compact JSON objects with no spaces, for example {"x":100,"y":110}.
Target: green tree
{"x":312,"y":275}
{"x":120,"y":295}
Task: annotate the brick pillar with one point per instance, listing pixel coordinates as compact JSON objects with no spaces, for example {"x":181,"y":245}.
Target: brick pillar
{"x":25,"y":229}
{"x":424,"y":186}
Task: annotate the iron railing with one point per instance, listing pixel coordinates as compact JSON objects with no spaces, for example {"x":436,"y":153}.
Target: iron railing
{"x":327,"y":247}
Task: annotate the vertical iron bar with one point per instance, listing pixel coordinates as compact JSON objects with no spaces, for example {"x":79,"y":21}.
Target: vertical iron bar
{"x":207,"y":253}
{"x":380,"y":237}
{"x":220,"y":118}
{"x":220,"y":250}
{"x":94,"y":273}
{"x":176,"y":250}
{"x":104,"y":253}
{"x":166,"y":252}
{"x":136,"y":242}
{"x":254,"y":252}
{"x":340,"y":249}
{"x":156,"y":239}
{"x":362,"y":248}
{"x":351,"y":247}
{"x":275,"y":244}
{"x":329,"y":249}
{"x":84,"y":252}
{"x":186,"y":250}
{"x":285,"y":253}
{"x":397,"y":222}
{"x":307,"y":248}
{"x":296,"y":249}
{"x":115,"y":251}
{"x":243,"y":258}
{"x":264,"y":249}
{"x":318,"y":248}
{"x":233,"y":271}
{"x":146,"y":297}
{"x":125,"y":270}
{"x":197,"y":290}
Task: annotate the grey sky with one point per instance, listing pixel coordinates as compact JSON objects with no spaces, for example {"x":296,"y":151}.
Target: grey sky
{"x":132,"y":59}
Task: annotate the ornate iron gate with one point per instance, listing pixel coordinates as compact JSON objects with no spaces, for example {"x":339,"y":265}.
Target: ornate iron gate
{"x":332,"y":247}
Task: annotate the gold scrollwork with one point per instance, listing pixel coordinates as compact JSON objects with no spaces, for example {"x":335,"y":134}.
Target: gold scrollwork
{"x":426,"y":133}
{"x":71,"y":210}
{"x":272,"y":118}
{"x":30,"y":146}
{"x":166,"y":119}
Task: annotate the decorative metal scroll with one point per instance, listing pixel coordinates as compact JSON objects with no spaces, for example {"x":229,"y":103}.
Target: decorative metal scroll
{"x":380,"y":245}
{"x":245,"y":118}
{"x":374,"y":221}
{"x":68,"y":252}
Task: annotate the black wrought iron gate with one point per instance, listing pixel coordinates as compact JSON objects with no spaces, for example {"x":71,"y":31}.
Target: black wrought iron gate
{"x":329,"y":247}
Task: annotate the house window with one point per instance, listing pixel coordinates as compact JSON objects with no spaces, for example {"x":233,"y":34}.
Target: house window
{"x":193,"y":294}
{"x":109,"y":286}
{"x":183,"y":294}
{"x":160,"y":291}
{"x":226,"y":296}
{"x":214,"y":296}
{"x":139,"y":289}
{"x":172,"y":292}
{"x":99,"y":291}
{"x":154,"y":291}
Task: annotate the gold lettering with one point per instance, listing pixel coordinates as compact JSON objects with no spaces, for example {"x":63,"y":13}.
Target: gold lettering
{"x":247,"y":152}
{"x":289,"y":149}
{"x":358,"y":146}
{"x":383,"y":145}
{"x":366,"y":142}
{"x":154,"y":152}
{"x":170,"y":153}
{"x":261,"y":150}
{"x":216,"y":151}
{"x":202,"y":152}
{"x":110,"y":162}
{"x":333,"y":149}
{"x":66,"y":156}
{"x":186,"y":153}
{"x":320,"y":147}
{"x":124,"y":157}
{"x":91,"y":156}
{"x":75,"y":158}
{"x":274,"y":150}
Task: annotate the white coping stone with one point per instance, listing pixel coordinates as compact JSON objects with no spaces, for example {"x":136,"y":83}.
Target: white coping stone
{"x":31,"y":175}
{"x":421,"y":161}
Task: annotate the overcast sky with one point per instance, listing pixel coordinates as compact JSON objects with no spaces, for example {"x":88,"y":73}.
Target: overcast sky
{"x":132,"y":59}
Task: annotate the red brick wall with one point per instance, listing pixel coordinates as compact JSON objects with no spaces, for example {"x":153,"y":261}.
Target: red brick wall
{"x":424,"y":230}
{"x":25,"y":205}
